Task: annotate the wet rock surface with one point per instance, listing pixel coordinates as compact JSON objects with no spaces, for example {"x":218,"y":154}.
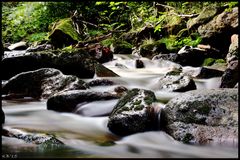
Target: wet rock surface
{"x":203,"y":72}
{"x":38,"y":139}
{"x":69,"y":100}
{"x":133,"y":113}
{"x":41,"y":83}
{"x":230,"y":75}
{"x":203,"y":116}
{"x":176,"y":83}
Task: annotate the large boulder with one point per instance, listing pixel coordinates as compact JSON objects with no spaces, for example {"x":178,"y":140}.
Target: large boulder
{"x":68,"y":101}
{"x":63,"y":33}
{"x":205,"y":16}
{"x":218,"y":31}
{"x":189,"y":56}
{"x":77,"y":62}
{"x":203,"y":117}
{"x":41,"y":83}
{"x":133,"y":113}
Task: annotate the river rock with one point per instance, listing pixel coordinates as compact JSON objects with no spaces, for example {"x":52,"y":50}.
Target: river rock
{"x":175,"y":83}
{"x":203,"y":72}
{"x":18,"y":46}
{"x":40,"y":47}
{"x":233,"y":49}
{"x":139,"y":63}
{"x":100,"y":82}
{"x":203,"y":117}
{"x":230,"y":76}
{"x":33,"y":138}
{"x":222,"y":26}
{"x":189,"y":56}
{"x":63,"y":34}
{"x":133,"y":113}
{"x":170,"y":57}
{"x":69,"y":101}
{"x":41,"y":83}
{"x":205,"y":16}
{"x":76,"y":62}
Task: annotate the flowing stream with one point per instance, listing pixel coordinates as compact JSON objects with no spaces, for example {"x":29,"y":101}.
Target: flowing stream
{"x":86,"y":135}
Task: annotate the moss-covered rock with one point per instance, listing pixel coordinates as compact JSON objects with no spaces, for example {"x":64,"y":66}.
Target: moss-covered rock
{"x":152,"y":49}
{"x":133,"y":113}
{"x":121,"y":47}
{"x":63,"y":33}
{"x":222,"y":26}
{"x":210,"y":116}
{"x":205,"y":16}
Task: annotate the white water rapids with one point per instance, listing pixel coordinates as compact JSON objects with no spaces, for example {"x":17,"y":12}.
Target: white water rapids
{"x":83,"y":133}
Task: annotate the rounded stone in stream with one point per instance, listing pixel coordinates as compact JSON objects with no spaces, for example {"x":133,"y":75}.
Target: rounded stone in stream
{"x":176,"y":83}
{"x":133,"y":113}
{"x":203,"y":117}
{"x":100,"y":82}
{"x":67,"y":101}
{"x":139,"y":63}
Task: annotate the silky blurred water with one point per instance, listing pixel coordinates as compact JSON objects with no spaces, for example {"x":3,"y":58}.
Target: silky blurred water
{"x":85,"y":133}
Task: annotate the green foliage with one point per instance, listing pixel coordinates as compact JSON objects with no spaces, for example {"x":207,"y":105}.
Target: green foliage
{"x":107,"y":42}
{"x":37,"y":37}
{"x":26,"y":18}
{"x":174,"y":43}
{"x":211,"y":61}
{"x":148,"y":41}
{"x":230,"y":6}
{"x":208,"y":62}
{"x":220,"y":61}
